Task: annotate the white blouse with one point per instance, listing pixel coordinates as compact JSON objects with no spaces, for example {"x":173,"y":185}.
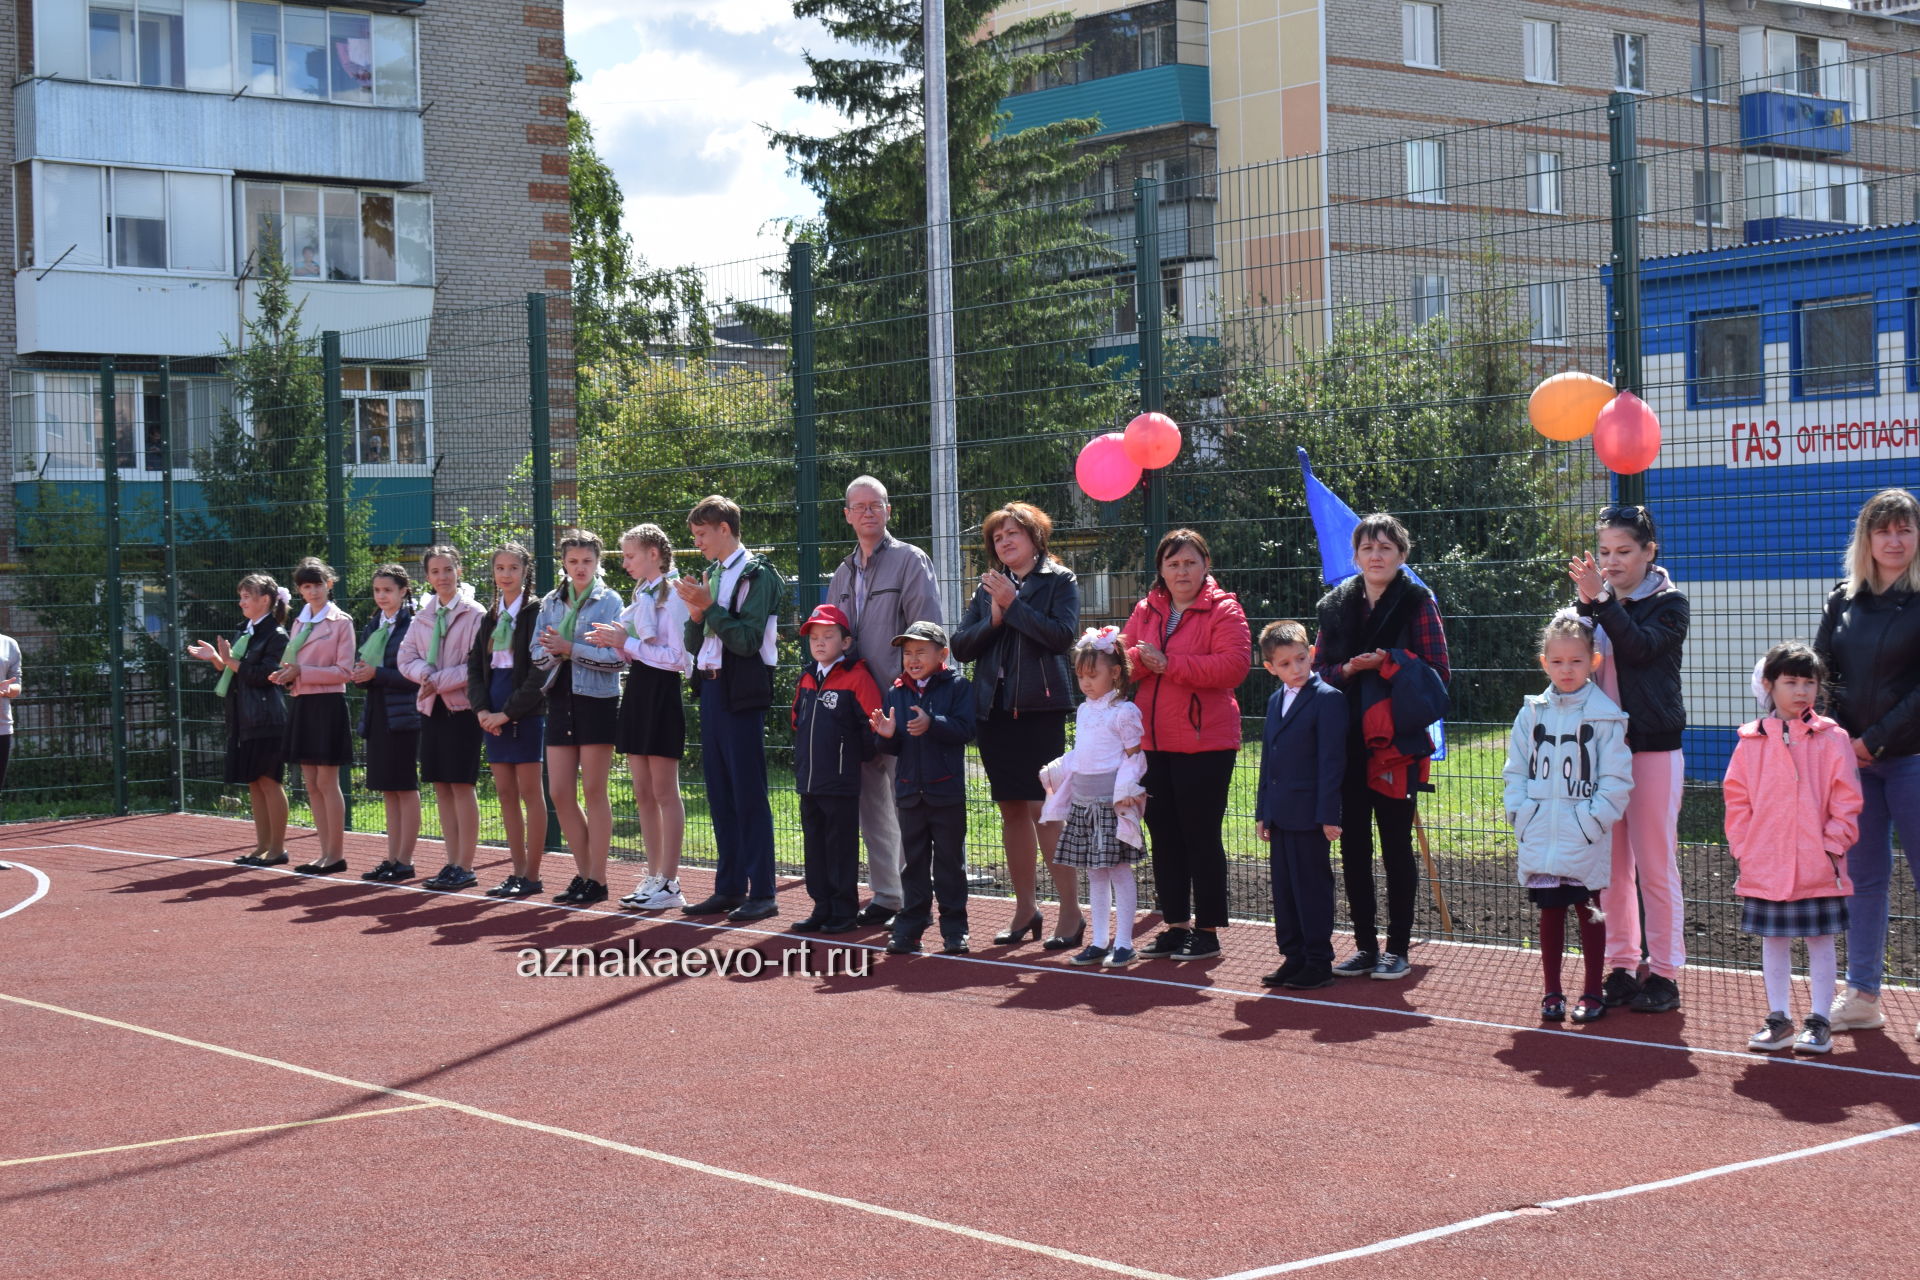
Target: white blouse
{"x":656,"y":633}
{"x":1103,"y":730}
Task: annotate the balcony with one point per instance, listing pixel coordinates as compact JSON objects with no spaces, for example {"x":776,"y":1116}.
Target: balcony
{"x":1186,"y":229}
{"x":187,"y":129}
{"x":1178,"y":93}
{"x":1794,"y":124}
{"x":160,"y":314}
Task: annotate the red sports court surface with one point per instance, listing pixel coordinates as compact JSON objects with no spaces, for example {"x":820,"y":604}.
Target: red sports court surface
{"x":342,"y":1079}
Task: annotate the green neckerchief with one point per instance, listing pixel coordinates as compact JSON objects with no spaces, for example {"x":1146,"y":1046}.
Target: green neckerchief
{"x":572,"y":615}
{"x":442,"y":619}
{"x":299,"y":639}
{"x":503,"y":629}
{"x":374,"y":651}
{"x":239,"y":651}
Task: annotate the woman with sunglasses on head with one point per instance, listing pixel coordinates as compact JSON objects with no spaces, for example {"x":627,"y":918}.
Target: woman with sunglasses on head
{"x":1640,"y":624}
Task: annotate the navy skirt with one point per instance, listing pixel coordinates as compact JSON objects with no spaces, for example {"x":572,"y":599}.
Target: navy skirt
{"x":518,"y":741}
{"x":317,"y":730}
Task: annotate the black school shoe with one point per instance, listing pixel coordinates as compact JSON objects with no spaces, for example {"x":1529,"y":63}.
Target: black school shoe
{"x":1619,"y":989}
{"x":571,"y":893}
{"x":1200,"y":944}
{"x":1165,"y":943}
{"x":452,"y":878}
{"x":902,"y":945}
{"x":874,"y":913}
{"x":1310,"y":978}
{"x":508,"y":888}
{"x":379,"y":872}
{"x":1285,"y":973}
{"x":1657,"y":995}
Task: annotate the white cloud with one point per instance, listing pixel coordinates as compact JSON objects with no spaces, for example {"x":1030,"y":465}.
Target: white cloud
{"x":676,"y":111}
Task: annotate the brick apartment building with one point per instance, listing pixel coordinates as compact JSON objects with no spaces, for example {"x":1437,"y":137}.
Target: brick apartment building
{"x":1374,"y":177}
{"x":410,"y":155}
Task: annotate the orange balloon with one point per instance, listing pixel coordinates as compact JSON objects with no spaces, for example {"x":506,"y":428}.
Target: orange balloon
{"x":1565,"y":406}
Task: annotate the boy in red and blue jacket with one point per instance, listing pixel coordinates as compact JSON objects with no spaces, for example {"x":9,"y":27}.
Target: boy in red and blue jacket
{"x":831,"y":739}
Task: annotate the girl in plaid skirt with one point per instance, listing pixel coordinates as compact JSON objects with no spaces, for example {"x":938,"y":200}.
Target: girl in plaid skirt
{"x":1793,"y":809}
{"x":1096,"y":789}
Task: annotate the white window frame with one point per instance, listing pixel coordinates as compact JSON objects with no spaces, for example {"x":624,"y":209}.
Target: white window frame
{"x":1540,"y":41}
{"x":1624,"y":43}
{"x":1430,"y":299}
{"x":1859,"y":93}
{"x":1544,"y":193}
{"x":1426,"y":154}
{"x":1547,"y":313}
{"x":1643,"y":190}
{"x":1420,"y":34}
{"x":1710,"y":87}
{"x":133,"y":9}
{"x":47,"y":248}
{"x":423,"y":394}
{"x":243,"y":232}
{"x":1712,"y":185}
{"x":32,"y":458}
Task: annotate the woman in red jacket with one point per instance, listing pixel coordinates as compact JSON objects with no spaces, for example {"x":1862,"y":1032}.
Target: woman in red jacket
{"x":1189,"y":641}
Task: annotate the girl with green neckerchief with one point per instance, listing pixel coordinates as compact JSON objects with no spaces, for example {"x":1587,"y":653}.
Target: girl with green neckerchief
{"x":583,"y":701}
{"x":509,"y":695}
{"x":434,"y":656}
{"x":256,"y":711}
{"x":389,"y":721}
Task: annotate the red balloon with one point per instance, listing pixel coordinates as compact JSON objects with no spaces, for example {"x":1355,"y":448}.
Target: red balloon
{"x":1103,"y":469}
{"x":1153,"y":440}
{"x":1626,"y":436}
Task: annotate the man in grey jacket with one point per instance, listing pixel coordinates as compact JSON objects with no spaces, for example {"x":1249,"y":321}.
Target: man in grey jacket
{"x":884,"y":585}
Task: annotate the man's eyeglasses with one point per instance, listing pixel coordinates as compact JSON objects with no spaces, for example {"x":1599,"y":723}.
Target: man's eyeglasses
{"x":868,"y":508}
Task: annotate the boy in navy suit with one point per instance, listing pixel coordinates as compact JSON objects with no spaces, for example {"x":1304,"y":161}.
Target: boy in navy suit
{"x":1303,"y":760}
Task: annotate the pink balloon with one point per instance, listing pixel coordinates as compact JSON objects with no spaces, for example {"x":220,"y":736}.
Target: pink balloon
{"x":1103,"y":469}
{"x":1626,"y":436}
{"x":1153,"y":440}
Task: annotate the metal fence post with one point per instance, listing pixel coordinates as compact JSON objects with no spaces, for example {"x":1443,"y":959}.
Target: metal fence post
{"x":805,"y":445}
{"x":116,"y":607}
{"x":540,"y":426}
{"x":540,"y":429}
{"x":333,"y":413}
{"x":1146,"y":293}
{"x":1624,"y":189}
{"x":176,"y":721}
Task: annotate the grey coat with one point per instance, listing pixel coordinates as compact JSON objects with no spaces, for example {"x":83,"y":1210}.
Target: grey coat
{"x":900,"y":589}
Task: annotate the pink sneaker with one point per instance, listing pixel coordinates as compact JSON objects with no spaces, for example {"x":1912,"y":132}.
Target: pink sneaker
{"x":1855,"y":1010}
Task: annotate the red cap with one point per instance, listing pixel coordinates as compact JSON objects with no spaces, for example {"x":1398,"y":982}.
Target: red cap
{"x":825,"y":615}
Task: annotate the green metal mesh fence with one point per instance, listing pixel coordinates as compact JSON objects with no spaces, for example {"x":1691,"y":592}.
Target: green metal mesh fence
{"x":1750,"y":268}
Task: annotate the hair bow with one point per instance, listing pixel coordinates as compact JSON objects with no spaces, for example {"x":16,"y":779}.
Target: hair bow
{"x":1101,"y":639}
{"x":286,"y":596}
{"x":1761,"y":694}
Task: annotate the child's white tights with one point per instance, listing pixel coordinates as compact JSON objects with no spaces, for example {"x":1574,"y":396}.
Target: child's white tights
{"x":1776,"y":965}
{"x":1113,"y":887}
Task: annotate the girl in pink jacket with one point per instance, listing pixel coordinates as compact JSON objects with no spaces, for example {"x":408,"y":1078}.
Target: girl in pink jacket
{"x":313,"y":670}
{"x":1793,"y":808}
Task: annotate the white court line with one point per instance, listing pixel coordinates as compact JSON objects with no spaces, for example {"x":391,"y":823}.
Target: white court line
{"x":678,"y":1162}
{"x":40,"y":890}
{"x":224,"y":1133}
{"x":1769,"y":1060}
{"x":1565,"y":1202}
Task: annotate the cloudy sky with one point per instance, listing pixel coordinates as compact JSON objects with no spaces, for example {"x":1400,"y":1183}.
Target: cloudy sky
{"x":677,"y":92}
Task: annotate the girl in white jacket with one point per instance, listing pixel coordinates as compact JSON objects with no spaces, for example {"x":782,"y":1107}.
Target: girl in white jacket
{"x":1568,"y":776}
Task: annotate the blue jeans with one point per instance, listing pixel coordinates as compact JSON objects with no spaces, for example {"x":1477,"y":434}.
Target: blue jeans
{"x":1892,"y":793}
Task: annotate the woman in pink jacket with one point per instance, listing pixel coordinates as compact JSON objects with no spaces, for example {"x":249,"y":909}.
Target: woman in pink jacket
{"x":1793,"y":810}
{"x":434,"y":656}
{"x":1190,"y":647}
{"x":313,"y":671}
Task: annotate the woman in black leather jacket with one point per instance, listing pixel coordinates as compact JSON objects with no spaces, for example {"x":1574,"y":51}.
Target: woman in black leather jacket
{"x":1017,"y":629}
{"x":1869,"y":638}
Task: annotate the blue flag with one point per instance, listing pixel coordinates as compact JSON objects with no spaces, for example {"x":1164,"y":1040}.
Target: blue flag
{"x":1333,"y":525}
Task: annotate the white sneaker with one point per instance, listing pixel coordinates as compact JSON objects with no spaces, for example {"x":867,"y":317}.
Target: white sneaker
{"x":1855,"y":1010}
{"x":665,"y":894}
{"x":644,"y":890}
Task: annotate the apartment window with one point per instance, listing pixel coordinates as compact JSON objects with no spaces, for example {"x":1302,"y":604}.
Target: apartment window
{"x":1807,"y":61}
{"x":1630,"y":62}
{"x":136,"y":42}
{"x":1727,"y":359}
{"x":389,"y":408}
{"x":1709,"y":209}
{"x":1427,"y":170}
{"x":1642,"y":190}
{"x":340,"y":233}
{"x":1540,"y":51}
{"x":56,"y":420}
{"x":1706,"y":75}
{"x":1859,"y":93}
{"x":1813,"y":190}
{"x":1429,"y":299}
{"x":1547,"y":312}
{"x":136,"y":219}
{"x":1420,"y":35}
{"x":1835,"y":348}
{"x":1543,"y":182}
